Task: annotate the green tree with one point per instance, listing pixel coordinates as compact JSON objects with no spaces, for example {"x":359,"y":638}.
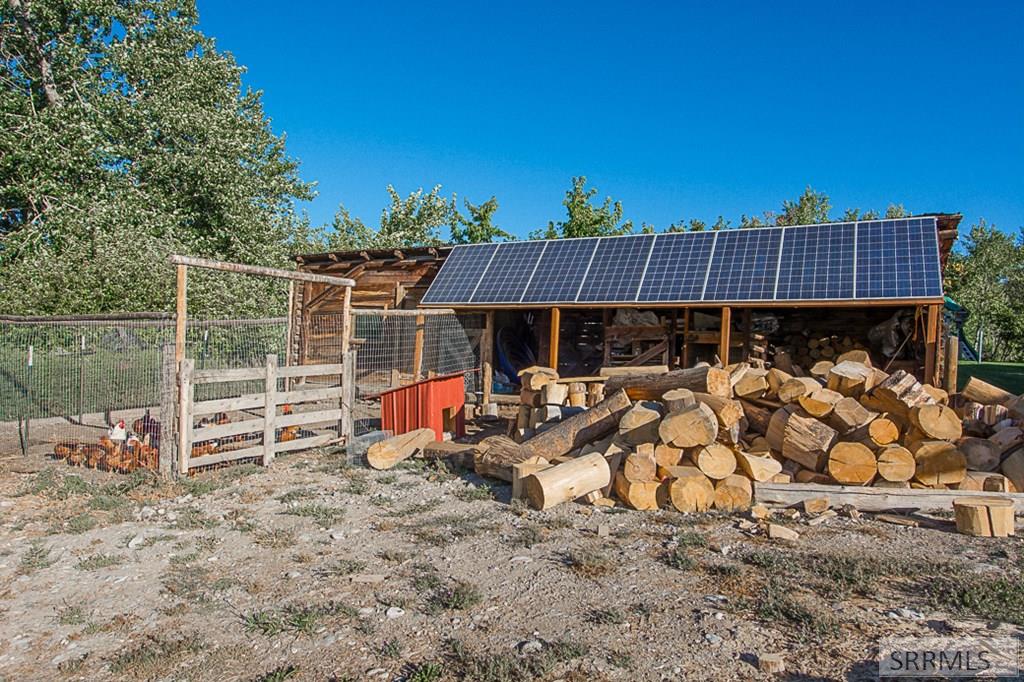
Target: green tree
{"x":478,"y":226}
{"x":415,"y":220}
{"x":584,"y":219}
{"x":810,"y":208}
{"x":125,"y":136}
{"x":985,"y":274}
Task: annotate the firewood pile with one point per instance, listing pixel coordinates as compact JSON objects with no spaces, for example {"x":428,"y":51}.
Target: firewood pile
{"x":703,"y":438}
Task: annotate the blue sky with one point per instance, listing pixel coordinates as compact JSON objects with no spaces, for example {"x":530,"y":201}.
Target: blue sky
{"x":678,"y":110}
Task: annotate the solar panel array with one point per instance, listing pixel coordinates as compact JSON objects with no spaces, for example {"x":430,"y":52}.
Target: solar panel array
{"x":879,"y":259}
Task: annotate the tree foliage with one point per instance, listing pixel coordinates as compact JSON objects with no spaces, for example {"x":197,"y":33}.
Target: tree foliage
{"x":415,"y":220}
{"x":986,"y":276}
{"x":478,"y":226}
{"x":126,"y":136}
{"x":584,"y":218}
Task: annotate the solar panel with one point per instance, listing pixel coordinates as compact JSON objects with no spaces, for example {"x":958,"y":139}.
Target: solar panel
{"x":561,"y":268}
{"x":898,"y":259}
{"x":509,"y":272}
{"x":743,"y":265}
{"x":816,"y":263}
{"x":677,"y":267}
{"x":460,"y":274}
{"x":617,"y":269}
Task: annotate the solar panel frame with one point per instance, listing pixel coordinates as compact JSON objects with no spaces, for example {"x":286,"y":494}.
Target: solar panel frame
{"x":509,"y":273}
{"x":460,"y":272}
{"x":744,"y":265}
{"x":617,"y":269}
{"x":817,"y":262}
{"x":677,"y":268}
{"x":560,"y":271}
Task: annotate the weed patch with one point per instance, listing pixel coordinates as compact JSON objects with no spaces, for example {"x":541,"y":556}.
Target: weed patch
{"x":274,"y":538}
{"x":157,"y":654}
{"x":36,"y":557}
{"x":98,"y":561}
{"x":322,"y":515}
{"x":589,"y":563}
{"x":988,"y":597}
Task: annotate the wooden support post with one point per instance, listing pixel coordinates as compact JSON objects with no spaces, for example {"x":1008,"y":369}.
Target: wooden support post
{"x":185,"y":370}
{"x":686,"y":338}
{"x":606,"y":318}
{"x":417,"y":349}
{"x":346,"y":426}
{"x":952,"y":362}
{"x":487,"y":357}
{"x":556,"y":321}
{"x":723,"y":342}
{"x":931,"y":344}
{"x":168,"y":399}
{"x":747,"y":327}
{"x":181,"y":316}
{"x":670,"y":355}
{"x":270,"y":411}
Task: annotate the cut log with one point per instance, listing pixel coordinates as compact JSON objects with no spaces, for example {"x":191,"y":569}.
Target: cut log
{"x":544,"y":414}
{"x":784,"y":361}
{"x":554,"y":394}
{"x":521,"y":470}
{"x":979,"y":391}
{"x":849,"y":414}
{"x":580,"y":429}
{"x":1013,"y":469}
{"x":667,"y":456}
{"x":988,"y":518}
{"x":939,"y":463}
{"x":728,"y":412}
{"x":752,"y":385}
{"x":595,"y":393}
{"x":984,"y":480}
{"x":677,"y":399}
{"x":849,"y":378}
{"x":937,"y":422}
{"x":820,"y":369}
{"x":757,"y":468}
{"x":1007,"y":439}
{"x":496,"y":456}
{"x":698,"y":379}
{"x":776,"y":433}
{"x":861,"y":357}
{"x":795,"y":388}
{"x":387,"y":453}
{"x":689,"y":489}
{"x":640,"y":423}
{"x":639,"y":495}
{"x":938,"y":395}
{"x":641,"y":465}
{"x":880,"y":431}
{"x":689,"y":427}
{"x":776,"y":378}
{"x":896,"y":463}
{"x":808,"y":476}
{"x":820,"y":403}
{"x":715,"y":460}
{"x":899,"y":394}
{"x":807,"y":441}
{"x":531,"y":398}
{"x":577,"y":394}
{"x":758,"y":417}
{"x":733,"y":493}
{"x":534,"y":378}
{"x":523,"y":417}
{"x":852,"y":464}
{"x":981,"y":453}
{"x":567,"y":481}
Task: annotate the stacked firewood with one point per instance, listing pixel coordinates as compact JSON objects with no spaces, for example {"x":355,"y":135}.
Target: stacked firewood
{"x":545,"y":399}
{"x":696,"y":439}
{"x":805,"y":351}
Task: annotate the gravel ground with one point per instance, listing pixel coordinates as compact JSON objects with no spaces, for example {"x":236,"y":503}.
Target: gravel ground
{"x":317,"y":570}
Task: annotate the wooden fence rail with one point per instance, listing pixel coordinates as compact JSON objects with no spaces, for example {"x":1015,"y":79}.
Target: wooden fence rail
{"x":270,"y":399}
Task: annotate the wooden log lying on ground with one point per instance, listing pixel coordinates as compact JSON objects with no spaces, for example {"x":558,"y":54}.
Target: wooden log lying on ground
{"x":733,"y":493}
{"x":579,"y":430}
{"x":689,"y":489}
{"x":978,"y":391}
{"x":387,"y":453}
{"x":567,"y":481}
{"x":870,"y":498}
{"x":852,"y":464}
{"x":692,"y":426}
{"x":807,"y":441}
{"x":698,"y":379}
{"x":496,"y":456}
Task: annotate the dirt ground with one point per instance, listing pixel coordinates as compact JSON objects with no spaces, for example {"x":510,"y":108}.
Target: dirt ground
{"x":318,"y":569}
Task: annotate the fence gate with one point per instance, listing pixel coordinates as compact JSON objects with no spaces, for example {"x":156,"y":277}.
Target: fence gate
{"x":276,"y":409}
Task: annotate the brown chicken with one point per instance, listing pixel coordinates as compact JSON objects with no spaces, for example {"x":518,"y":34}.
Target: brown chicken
{"x":94,"y":455}
{"x":63,"y":450}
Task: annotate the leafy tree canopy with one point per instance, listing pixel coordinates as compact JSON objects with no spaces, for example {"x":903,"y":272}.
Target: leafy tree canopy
{"x":126,"y":136}
{"x":478,"y":226}
{"x":415,"y":220}
{"x":585,"y":219}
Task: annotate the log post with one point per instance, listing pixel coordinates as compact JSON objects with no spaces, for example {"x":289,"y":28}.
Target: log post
{"x":487,"y":357}
{"x":417,"y":349}
{"x":723,"y":341}
{"x":686,"y":338}
{"x":747,"y":330}
{"x":181,"y":314}
{"x":674,"y":322}
{"x":932,"y":344}
{"x":185,"y":370}
{"x":270,"y":411}
{"x":346,"y":320}
{"x":952,"y":362}
{"x":556,"y":320}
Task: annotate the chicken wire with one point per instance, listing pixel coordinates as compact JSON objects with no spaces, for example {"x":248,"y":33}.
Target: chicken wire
{"x":385,"y":345}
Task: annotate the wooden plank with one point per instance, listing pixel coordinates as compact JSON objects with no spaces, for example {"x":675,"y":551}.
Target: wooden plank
{"x":261,"y":271}
{"x":726,"y":329}
{"x":242,"y":402}
{"x":346,"y":321}
{"x":226,"y":456}
{"x":304,"y":443}
{"x":181,"y":314}
{"x":306,"y":418}
{"x":872,"y":499}
{"x":224,"y":430}
{"x":346,"y":426}
{"x":270,"y":410}
{"x":417,"y":349}
{"x":556,"y":323}
{"x":309,"y":370}
{"x":649,"y":354}
{"x":608,"y":372}
{"x":185,"y":370}
{"x":398,"y":312}
{"x":931,"y":346}
{"x":302,"y":396}
{"x":219,"y":376}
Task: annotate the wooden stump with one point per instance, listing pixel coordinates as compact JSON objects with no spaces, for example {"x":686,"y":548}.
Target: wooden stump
{"x":984,"y":517}
{"x":896,"y":463}
{"x":567,"y":481}
{"x":677,"y":399}
{"x":852,"y":464}
{"x":939,"y":463}
{"x":639,"y":495}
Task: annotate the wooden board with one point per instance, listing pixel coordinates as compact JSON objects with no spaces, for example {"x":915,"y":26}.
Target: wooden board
{"x":872,"y":499}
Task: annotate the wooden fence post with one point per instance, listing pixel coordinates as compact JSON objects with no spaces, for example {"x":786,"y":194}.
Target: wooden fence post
{"x":417,"y":349}
{"x":952,"y":362}
{"x":487,"y":357}
{"x":724,"y":341}
{"x":185,"y":370}
{"x":181,"y":314}
{"x":168,"y":432}
{"x":270,"y":411}
{"x":346,"y":427}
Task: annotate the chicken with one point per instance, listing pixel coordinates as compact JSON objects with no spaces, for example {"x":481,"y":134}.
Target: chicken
{"x":148,"y":427}
{"x":94,"y":455}
{"x":64,"y":449}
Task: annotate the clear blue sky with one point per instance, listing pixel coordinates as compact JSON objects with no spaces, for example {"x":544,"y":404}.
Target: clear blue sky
{"x":676,"y":110}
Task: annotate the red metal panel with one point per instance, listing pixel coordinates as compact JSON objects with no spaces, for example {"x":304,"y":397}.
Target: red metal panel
{"x":422,"y":405}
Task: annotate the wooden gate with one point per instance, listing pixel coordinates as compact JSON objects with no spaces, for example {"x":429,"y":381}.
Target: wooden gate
{"x":239,"y":433}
